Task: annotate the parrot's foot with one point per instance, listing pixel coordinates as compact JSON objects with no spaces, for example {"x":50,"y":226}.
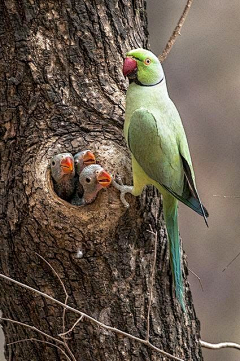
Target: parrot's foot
{"x":123,"y":190}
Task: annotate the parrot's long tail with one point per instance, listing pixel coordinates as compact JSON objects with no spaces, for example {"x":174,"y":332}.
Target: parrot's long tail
{"x":171,"y":218}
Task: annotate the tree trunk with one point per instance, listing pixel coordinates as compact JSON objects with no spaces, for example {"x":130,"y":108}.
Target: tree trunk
{"x":62,"y":90}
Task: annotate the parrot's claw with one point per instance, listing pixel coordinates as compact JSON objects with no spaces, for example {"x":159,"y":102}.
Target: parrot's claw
{"x":125,"y":203}
{"x":119,"y":179}
{"x":123,"y":190}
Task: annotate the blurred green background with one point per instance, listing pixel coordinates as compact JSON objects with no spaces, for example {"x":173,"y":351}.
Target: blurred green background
{"x":203,"y":77}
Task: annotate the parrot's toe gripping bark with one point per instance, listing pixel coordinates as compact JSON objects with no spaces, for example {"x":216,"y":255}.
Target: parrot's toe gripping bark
{"x":119,"y":180}
{"x":123,"y":190}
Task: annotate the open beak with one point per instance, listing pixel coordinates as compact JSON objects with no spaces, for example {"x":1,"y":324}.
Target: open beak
{"x":67,"y":165}
{"x":129,"y":66}
{"x":104,"y":178}
{"x":89,"y":158}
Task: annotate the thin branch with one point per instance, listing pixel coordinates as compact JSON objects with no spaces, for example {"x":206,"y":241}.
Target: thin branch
{"x":199,"y":279}
{"x":42,"y":341}
{"x":176,"y":32}
{"x":231,"y":262}
{"x":32,"y":328}
{"x":66,"y":299}
{"x":113,"y":329}
{"x":62,"y":284}
{"x":217,"y":346}
{"x":151,"y":283}
{"x":71,"y":329}
{"x":219,"y":195}
{"x":55,"y":272}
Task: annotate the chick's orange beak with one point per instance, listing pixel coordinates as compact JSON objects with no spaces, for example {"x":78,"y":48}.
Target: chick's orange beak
{"x":67,"y":165}
{"x":89,"y":158}
{"x":129,"y":66}
{"x":104,"y":178}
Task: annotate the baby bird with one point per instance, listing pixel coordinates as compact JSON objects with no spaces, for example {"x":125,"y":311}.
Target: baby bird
{"x":63,"y":172}
{"x":93,"y":178}
{"x":83,"y":159}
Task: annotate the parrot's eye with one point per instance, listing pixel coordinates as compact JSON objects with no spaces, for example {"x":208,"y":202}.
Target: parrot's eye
{"x":53,"y":163}
{"x":88,"y":180}
{"x":147,"y":61}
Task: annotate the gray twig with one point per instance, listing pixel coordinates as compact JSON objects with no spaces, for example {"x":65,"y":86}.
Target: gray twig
{"x":37,"y":340}
{"x":151,"y":282}
{"x":66,"y":299}
{"x":231,"y":262}
{"x":71,"y":329}
{"x":109,"y":328}
{"x":217,"y":346}
{"x":34,"y":339}
{"x":176,"y":32}
{"x":32,"y":328}
{"x":219,"y":195}
{"x":199,"y":279}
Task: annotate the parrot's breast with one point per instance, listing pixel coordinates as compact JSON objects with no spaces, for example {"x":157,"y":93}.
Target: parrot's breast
{"x":154,"y":99}
{"x":158,"y":140}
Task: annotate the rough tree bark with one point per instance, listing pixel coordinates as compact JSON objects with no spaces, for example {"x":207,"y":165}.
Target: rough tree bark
{"x":62,"y":89}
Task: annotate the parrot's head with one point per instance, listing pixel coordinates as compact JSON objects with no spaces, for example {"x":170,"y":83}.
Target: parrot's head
{"x":143,"y":65}
{"x":62,"y":165}
{"x":83,"y":159}
{"x":93,"y":178}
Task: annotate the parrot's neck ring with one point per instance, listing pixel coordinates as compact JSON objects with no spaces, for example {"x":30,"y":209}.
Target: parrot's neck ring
{"x":136,"y":81}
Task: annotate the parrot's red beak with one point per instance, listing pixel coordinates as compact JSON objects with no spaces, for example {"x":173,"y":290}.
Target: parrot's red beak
{"x":67,"y":165}
{"x":104,"y":178}
{"x":89,"y":158}
{"x":129,"y":66}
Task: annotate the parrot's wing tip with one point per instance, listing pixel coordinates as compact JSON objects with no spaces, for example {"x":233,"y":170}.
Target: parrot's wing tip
{"x":206,"y":222}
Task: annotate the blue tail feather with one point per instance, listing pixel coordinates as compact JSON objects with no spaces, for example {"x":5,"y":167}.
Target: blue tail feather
{"x":171,"y":219}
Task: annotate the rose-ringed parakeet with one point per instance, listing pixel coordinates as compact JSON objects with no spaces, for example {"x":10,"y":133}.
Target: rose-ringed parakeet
{"x":81,"y":160}
{"x":93,"y":178}
{"x":63,"y":172}
{"x":159,"y":148}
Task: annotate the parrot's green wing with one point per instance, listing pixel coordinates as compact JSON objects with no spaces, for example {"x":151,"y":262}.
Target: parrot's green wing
{"x":157,"y":151}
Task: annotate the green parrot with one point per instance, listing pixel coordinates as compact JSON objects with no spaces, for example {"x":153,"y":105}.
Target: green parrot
{"x":159,"y":148}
